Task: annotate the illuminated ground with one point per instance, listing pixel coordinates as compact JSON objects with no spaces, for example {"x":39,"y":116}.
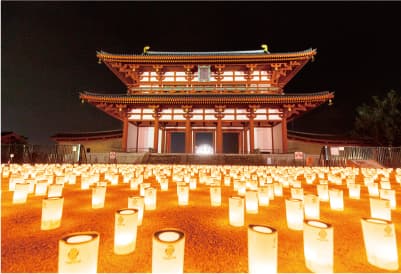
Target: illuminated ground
{"x":212,"y":245}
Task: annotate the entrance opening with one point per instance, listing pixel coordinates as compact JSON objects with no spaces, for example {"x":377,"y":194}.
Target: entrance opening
{"x":177,"y":142}
{"x":204,"y":142}
{"x":230,"y":142}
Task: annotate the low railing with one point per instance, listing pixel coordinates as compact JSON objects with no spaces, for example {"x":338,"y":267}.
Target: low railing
{"x":25,"y":153}
{"x":206,"y":88}
{"x":385,"y":156}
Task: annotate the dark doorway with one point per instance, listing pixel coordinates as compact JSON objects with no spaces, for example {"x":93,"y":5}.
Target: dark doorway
{"x":204,"y":139}
{"x":177,"y":142}
{"x":230,"y":142}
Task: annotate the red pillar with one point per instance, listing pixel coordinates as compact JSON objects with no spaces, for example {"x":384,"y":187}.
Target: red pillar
{"x":284,"y":133}
{"x":125,"y":134}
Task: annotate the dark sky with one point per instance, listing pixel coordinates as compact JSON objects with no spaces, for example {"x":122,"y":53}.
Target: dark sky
{"x":48,"y":53}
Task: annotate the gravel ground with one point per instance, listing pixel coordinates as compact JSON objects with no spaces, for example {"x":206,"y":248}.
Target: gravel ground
{"x":211,"y":246}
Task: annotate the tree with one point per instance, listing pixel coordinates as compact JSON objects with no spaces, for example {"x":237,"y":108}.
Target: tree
{"x":380,"y":121}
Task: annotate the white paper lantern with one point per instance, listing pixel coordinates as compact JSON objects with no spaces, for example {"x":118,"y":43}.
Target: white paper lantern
{"x":227,"y":180}
{"x":183,"y":194}
{"x":380,"y":243}
{"x":323,"y":192}
{"x":78,"y":253}
{"x":336,"y":199}
{"x":251,"y":201}
{"x":52,"y":211}
{"x":373,"y":189}
{"x":318,"y":246}
{"x":354,"y":191}
{"x":215,"y":195}
{"x":262,"y":249}
{"x":150,"y":198}
{"x":192,"y":183}
{"x":142,"y":188}
{"x":41,"y":188}
{"x":138,"y":203}
{"x":311,"y":206}
{"x":380,"y":209}
{"x":133,"y":184}
{"x":55,"y":190}
{"x":241,"y":188}
{"x":164,"y":184}
{"x":20,"y":194}
{"x":236,"y":211}
{"x":294,"y":213}
{"x":98,"y":196}
{"x":297,"y":193}
{"x":168,"y":251}
{"x":125,"y":229}
{"x":263,"y":195}
{"x":389,"y":194}
{"x":278,"y":189}
{"x":13,"y":180}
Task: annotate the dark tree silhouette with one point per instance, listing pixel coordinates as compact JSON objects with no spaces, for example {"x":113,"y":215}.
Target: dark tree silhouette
{"x":380,"y":121}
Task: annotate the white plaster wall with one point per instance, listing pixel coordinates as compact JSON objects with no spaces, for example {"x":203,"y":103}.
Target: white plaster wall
{"x":145,"y":138}
{"x":132,"y":137}
{"x":263,"y":138}
{"x":277,"y":139}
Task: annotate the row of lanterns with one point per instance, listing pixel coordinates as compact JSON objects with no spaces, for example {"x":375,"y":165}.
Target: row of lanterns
{"x":78,"y":252}
{"x":302,"y":213}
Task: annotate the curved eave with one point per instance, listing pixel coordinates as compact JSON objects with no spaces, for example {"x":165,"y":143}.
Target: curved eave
{"x":191,"y":59}
{"x":231,"y":99}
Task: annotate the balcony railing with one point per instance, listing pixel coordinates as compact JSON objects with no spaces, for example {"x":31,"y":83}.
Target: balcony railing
{"x":205,"y":89}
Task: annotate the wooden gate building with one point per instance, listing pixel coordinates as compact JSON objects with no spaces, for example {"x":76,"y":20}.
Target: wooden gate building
{"x":216,"y":102}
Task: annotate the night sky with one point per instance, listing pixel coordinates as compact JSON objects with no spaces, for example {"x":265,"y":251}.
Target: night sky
{"x":48,"y":53}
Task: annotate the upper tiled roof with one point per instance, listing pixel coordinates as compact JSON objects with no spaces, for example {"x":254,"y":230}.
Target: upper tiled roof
{"x":191,"y":56}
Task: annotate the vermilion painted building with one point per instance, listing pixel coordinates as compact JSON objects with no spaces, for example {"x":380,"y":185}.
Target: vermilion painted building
{"x":223,"y":102}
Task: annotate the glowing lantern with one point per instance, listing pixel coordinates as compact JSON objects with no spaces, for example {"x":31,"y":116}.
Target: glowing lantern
{"x":78,"y":253}
{"x":31,"y":183}
{"x":263,"y":195}
{"x":192,"y":183}
{"x":215,"y":195}
{"x":278,"y":189}
{"x":373,"y":189}
{"x":354,"y":191}
{"x":41,"y":188}
{"x":336,"y":199}
{"x":389,"y":194}
{"x":236,"y":211}
{"x":297,"y":193}
{"x":20,"y":193}
{"x":55,"y":190}
{"x":323,"y":192}
{"x":164,"y":184}
{"x":183,"y":194}
{"x":380,"y":209}
{"x":142,"y":188}
{"x":168,"y":251}
{"x":133,"y":185}
{"x":13,"y":181}
{"x":380,"y":243}
{"x":241,"y":188}
{"x":385,"y":184}
{"x":318,"y":246}
{"x":150,"y":198}
{"x":251,"y":201}
{"x":311,"y":206}
{"x":227,"y":180}
{"x":85,"y":182}
{"x":262,"y":249}
{"x":294,"y":213}
{"x":98,"y":196}
{"x":52,"y":210}
{"x":125,"y":228}
{"x":138,"y":203}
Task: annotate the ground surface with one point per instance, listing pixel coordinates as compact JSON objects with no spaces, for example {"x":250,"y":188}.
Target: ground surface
{"x":212,"y":245}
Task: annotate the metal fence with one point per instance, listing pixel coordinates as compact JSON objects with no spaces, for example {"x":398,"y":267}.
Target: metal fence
{"x":339,"y":156}
{"x":329,"y":156}
{"x":21,"y":153}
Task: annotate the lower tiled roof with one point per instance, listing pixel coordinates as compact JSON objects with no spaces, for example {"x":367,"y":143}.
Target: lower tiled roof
{"x":210,"y":98}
